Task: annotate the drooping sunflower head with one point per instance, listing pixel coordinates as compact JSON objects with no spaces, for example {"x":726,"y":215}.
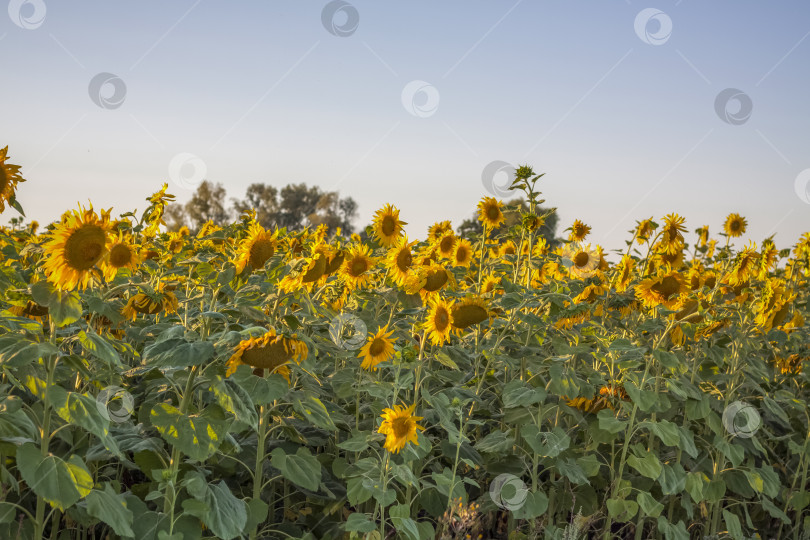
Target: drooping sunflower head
{"x":490,"y":212}
{"x":624,"y":273}
{"x":578,"y":231}
{"x":468,"y":312}
{"x":387,"y":225}
{"x":667,"y":290}
{"x":76,"y":245}
{"x":428,"y":280}
{"x":257,"y":248}
{"x":378,"y":349}
{"x":151,"y":302}
{"x":439,"y":321}
{"x":672,"y":234}
{"x":400,"y":427}
{"x":746,"y":266}
{"x":9,"y":178}
{"x":703,"y":235}
{"x":735,"y":225}
{"x":269,"y":351}
{"x":644,"y":230}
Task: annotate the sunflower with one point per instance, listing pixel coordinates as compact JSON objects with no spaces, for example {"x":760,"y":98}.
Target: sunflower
{"x":439,"y":321}
{"x":176,"y":241}
{"x":446,"y":245}
{"x":387,"y":226}
{"x":378,"y":349}
{"x":269,"y":351}
{"x":428,"y":280}
{"x":578,"y":231}
{"x":624,"y":273}
{"x":746,"y":266}
{"x":436,"y":230}
{"x":703,"y":235}
{"x":767,"y":258}
{"x":590,"y":293}
{"x":540,"y":248}
{"x":735,"y":225}
{"x":667,"y":290}
{"x":256,"y":249}
{"x":75,"y":246}
{"x":710,"y":248}
{"x":532,"y":222}
{"x":672,"y":236}
{"x":581,"y":260}
{"x":507,"y":248}
{"x":400,"y":259}
{"x":468,"y":312}
{"x":151,"y":303}
{"x":489,"y":212}
{"x":644,"y":230}
{"x":9,"y":177}
{"x":773,"y":306}
{"x":121,"y":254}
{"x":357,"y":266}
{"x":463,"y":254}
{"x":307,"y":271}
{"x":491,"y":284}
{"x":400,"y":426}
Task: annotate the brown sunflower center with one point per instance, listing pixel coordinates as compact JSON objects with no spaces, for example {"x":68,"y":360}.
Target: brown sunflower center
{"x":84,"y":247}
{"x":735,"y":225}
{"x":358,"y":266}
{"x":316,"y":271}
{"x":462,"y":254}
{"x":388,"y":225}
{"x":120,"y":255}
{"x":335,"y":263}
{"x":446,"y":244}
{"x":404,"y":259}
{"x":261,"y":250}
{"x":441,"y":319}
{"x":464,"y":316}
{"x":667,"y":288}
{"x":268,"y":357}
{"x":581,"y":259}
{"x":377,"y":347}
{"x":509,"y":250}
{"x":5,"y":178}
{"x":401,"y":427}
{"x":493,"y":212}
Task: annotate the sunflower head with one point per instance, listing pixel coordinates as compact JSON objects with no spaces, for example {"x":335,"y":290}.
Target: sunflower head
{"x":490,"y":212}
{"x":446,"y":245}
{"x":438,"y":229}
{"x":9,"y":178}
{"x":357,"y":266}
{"x":400,"y":260}
{"x":667,"y":290}
{"x":439,"y":321}
{"x":468,"y":312}
{"x":387,"y":225}
{"x":379,"y":348}
{"x":644,"y":230}
{"x":121,"y":254}
{"x":76,"y":245}
{"x":735,"y":225}
{"x":269,"y":351}
{"x":463,"y":254}
{"x":578,"y":231}
{"x":581,"y":260}
{"x":400,"y":426}
{"x":257,"y":248}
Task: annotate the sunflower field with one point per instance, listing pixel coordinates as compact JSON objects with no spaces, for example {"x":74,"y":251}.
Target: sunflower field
{"x":238,"y":382}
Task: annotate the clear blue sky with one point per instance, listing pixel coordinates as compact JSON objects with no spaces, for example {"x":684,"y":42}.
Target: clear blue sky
{"x":262,"y":92}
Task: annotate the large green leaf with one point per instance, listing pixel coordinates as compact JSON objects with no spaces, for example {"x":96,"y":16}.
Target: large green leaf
{"x":110,"y":508}
{"x":227,"y":515}
{"x":262,"y":390}
{"x":178,"y":353}
{"x":300,"y":468}
{"x":99,"y":347}
{"x":64,"y":307}
{"x":314,"y":411}
{"x":17,"y":351}
{"x":61,"y":483}
{"x":197,"y":436}
{"x":647,"y":464}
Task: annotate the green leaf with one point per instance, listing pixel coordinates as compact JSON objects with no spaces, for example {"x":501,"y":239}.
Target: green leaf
{"x":301,"y":468}
{"x":227,"y":515}
{"x":178,"y":353}
{"x":733,"y":525}
{"x":257,"y":513}
{"x":314,"y":411}
{"x":110,"y":508}
{"x":645,"y":399}
{"x":61,"y":483}
{"x":401,"y":518}
{"x":672,"y":532}
{"x":648,"y":504}
{"x":621,"y":510}
{"x":609,"y":422}
{"x":445,"y":360}
{"x":197,"y":436}
{"x":16,"y":351}
{"x":64,"y":307}
{"x":495,"y":442}
{"x":15,"y":426}
{"x":99,"y":347}
{"x":236,"y":401}
{"x":672,"y":479}
{"x":359,"y":523}
{"x":262,"y":390}
{"x":695,"y":481}
{"x":570,"y":469}
{"x":534,"y":506}
{"x":80,"y":410}
{"x":647,"y":465}
{"x":519,"y":394}
{"x":664,"y":430}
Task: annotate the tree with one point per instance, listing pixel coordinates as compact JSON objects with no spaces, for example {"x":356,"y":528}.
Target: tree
{"x":175,"y":217}
{"x":512,"y":214}
{"x":207,"y":204}
{"x":261,"y":198}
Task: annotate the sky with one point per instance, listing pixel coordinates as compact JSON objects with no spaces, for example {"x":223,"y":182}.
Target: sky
{"x":631,"y":109}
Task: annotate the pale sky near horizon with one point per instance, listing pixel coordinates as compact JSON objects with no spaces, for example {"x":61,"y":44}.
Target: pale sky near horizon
{"x":622,"y":104}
